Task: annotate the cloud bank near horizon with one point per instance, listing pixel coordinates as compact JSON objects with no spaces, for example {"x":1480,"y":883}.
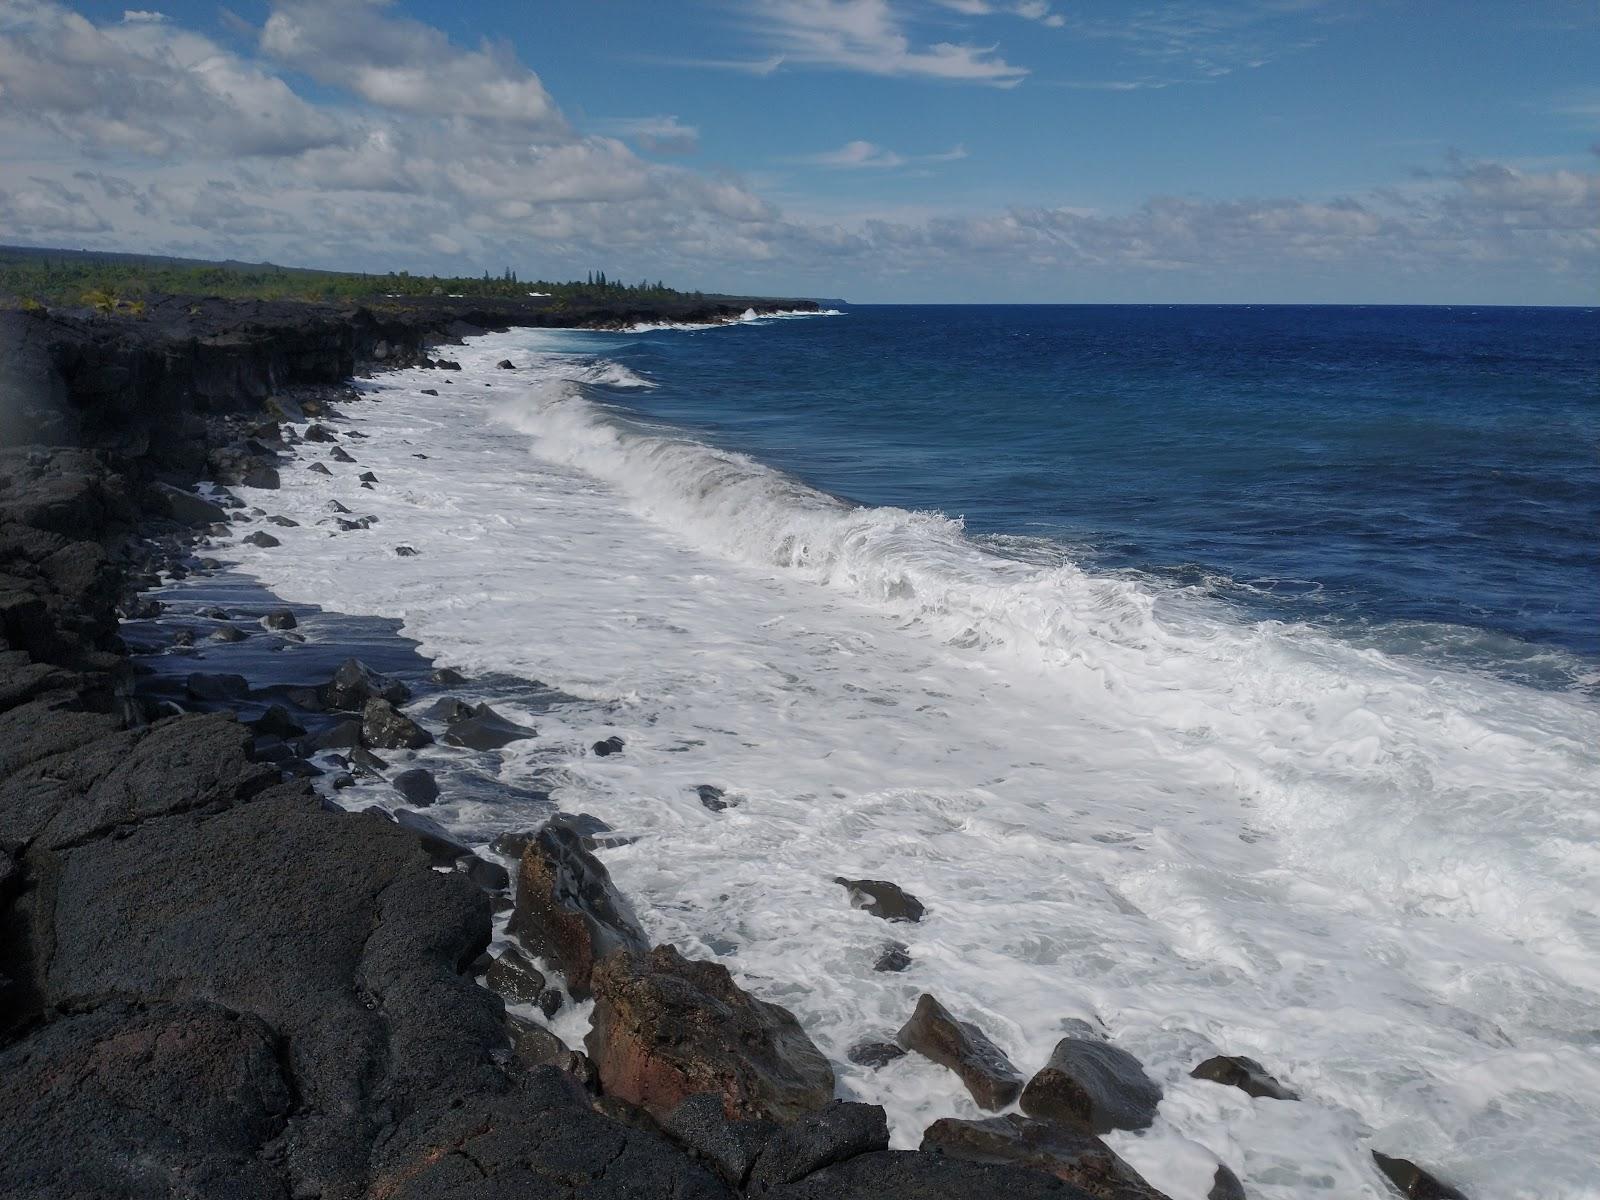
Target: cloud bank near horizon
{"x":414,"y":151}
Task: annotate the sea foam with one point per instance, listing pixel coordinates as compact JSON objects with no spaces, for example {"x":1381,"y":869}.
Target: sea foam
{"x":1120,"y":803}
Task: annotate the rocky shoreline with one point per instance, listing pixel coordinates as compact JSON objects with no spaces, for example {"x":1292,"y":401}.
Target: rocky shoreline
{"x":214,"y":982}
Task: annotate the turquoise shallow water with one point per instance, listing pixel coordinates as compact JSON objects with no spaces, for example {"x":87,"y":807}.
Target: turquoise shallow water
{"x":1426,"y":480}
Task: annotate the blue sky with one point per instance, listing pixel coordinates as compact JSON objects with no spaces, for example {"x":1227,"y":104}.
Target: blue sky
{"x":941,"y":150}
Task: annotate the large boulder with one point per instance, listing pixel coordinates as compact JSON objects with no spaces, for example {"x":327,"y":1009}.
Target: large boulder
{"x":567,"y":909}
{"x":354,"y":683}
{"x":666,"y":1028}
{"x":1080,"y":1159}
{"x":384,"y":727}
{"x":965,"y":1049}
{"x":1094,"y":1086}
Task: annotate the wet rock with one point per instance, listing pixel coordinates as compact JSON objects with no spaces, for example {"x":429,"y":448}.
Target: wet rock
{"x":187,"y":508}
{"x":731,"y":1146}
{"x":838,"y":1132}
{"x":713,"y":797}
{"x":505,"y":364}
{"x":874,"y":1054}
{"x":217,"y":688}
{"x":447,"y":677}
{"x":1092,"y":1085}
{"x":514,"y":977}
{"x":491,"y":877}
{"x":912,"y":1175}
{"x":430,"y":391}
{"x":342,"y":780}
{"x":882,"y":898}
{"x":283,"y":522}
{"x":445,"y":364}
{"x":594,"y":833}
{"x":666,"y":1028}
{"x":366,"y":760}
{"x":367,"y":477}
{"x":340,"y":454}
{"x":229,"y":633}
{"x":276,"y":722}
{"x":317,"y":468}
{"x":611,"y":745}
{"x":319,"y":433}
{"x":343,"y":735}
{"x":258,"y":475}
{"x":280,"y":618}
{"x":436,"y":842}
{"x":567,"y":909}
{"x":486,"y":730}
{"x":450,"y":710}
{"x":965,"y":1049}
{"x":184,"y":637}
{"x":550,"y":1002}
{"x":406,"y":551}
{"x":532,"y":1044}
{"x":417,"y":785}
{"x":354,"y":683}
{"x":386,"y":728}
{"x":262,"y":539}
{"x":896,"y":956}
{"x":1225,"y":1185}
{"x":1246,"y":1074}
{"x":335,"y":507}
{"x":1071,"y":1155}
{"x":1412,"y":1181}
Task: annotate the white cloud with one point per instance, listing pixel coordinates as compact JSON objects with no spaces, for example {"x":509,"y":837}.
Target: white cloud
{"x":661,"y":134}
{"x":868,"y":36}
{"x":862,"y":154}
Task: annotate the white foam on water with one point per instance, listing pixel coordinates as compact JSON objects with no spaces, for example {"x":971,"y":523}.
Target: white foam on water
{"x":1374,"y":875}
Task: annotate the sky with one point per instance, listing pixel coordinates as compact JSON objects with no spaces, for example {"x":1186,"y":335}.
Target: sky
{"x":1164,"y":151}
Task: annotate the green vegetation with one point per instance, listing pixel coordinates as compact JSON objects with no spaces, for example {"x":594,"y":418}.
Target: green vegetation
{"x":120,"y":283}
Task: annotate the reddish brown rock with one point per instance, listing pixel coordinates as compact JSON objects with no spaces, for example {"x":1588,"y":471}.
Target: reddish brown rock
{"x":666,"y":1028}
{"x":567,"y":909}
{"x":960,"y":1045}
{"x":1080,"y":1159}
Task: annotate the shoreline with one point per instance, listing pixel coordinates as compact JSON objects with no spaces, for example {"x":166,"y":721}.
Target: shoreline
{"x":438,"y":1043}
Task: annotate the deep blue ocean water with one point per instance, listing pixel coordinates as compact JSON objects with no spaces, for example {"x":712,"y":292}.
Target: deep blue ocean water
{"x":1427,"y":479}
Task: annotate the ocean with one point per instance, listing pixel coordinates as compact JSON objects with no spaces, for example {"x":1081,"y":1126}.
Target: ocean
{"x":1226,"y":677}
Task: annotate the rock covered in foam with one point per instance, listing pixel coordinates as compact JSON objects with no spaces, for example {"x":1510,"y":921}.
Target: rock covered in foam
{"x":882,"y":898}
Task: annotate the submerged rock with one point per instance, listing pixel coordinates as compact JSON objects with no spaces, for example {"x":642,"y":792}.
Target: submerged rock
{"x":486,"y":729}
{"x":1072,"y":1156}
{"x":713,"y":797}
{"x":882,"y":898}
{"x":1412,"y":1181}
{"x":567,"y":909}
{"x":417,"y":785}
{"x":611,"y":745}
{"x":386,"y":728}
{"x":960,"y":1045}
{"x":203,"y":686}
{"x":280,"y":618}
{"x":874,"y":1054}
{"x":1094,"y":1086}
{"x":666,"y":1028}
{"x":264,"y":540}
{"x":1246,"y":1074}
{"x":896,"y":956}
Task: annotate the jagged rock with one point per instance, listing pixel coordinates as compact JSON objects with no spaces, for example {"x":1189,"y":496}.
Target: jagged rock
{"x":216,"y":688}
{"x":532,"y":1044}
{"x":417,"y":785}
{"x":515,"y":977}
{"x":354,"y":683}
{"x":666,"y":1028}
{"x":319,"y":433}
{"x":187,"y":508}
{"x":450,"y":710}
{"x":882,"y":898}
{"x":895,"y":956}
{"x":550,"y":1002}
{"x":386,"y":728}
{"x":1246,"y":1074}
{"x":340,"y":454}
{"x":1225,"y":1185}
{"x":319,"y":469}
{"x":335,"y":507}
{"x":280,"y":618}
{"x":258,"y":475}
{"x":491,"y":877}
{"x":276,"y":722}
{"x":407,"y":551}
{"x":486,"y":730}
{"x":874,"y":1054}
{"x":1412,"y":1181}
{"x":505,"y":364}
{"x":262,"y":539}
{"x":367,"y":761}
{"x":1094,"y":1086}
{"x":567,"y":910}
{"x":367,"y":477}
{"x":965,"y":1049}
{"x":840,"y":1131}
{"x":731,"y":1146}
{"x":1075,"y":1157}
